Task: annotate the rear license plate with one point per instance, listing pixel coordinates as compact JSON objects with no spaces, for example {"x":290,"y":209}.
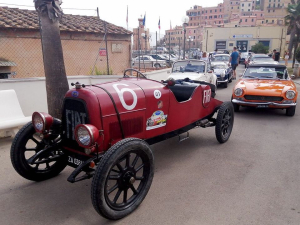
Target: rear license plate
{"x":263,"y":106}
{"x":74,"y":161}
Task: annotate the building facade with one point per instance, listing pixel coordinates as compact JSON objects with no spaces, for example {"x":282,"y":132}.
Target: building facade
{"x":141,"y":36}
{"x":245,"y":37}
{"x":82,"y":41}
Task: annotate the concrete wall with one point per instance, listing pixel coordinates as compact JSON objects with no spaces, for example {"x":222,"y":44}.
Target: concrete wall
{"x":32,"y":92}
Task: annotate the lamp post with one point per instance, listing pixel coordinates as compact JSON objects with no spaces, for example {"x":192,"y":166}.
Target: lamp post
{"x":189,"y":40}
{"x":185,"y":21}
{"x":146,"y":37}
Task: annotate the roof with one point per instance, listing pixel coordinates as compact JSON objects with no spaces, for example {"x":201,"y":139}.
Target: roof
{"x":268,"y":65}
{"x":28,"y":19}
{"x":7,"y":63}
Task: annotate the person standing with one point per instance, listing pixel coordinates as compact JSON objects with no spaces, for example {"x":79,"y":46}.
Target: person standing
{"x":204,"y":57}
{"x":234,"y":60}
{"x":286,"y":58}
{"x":276,"y":55}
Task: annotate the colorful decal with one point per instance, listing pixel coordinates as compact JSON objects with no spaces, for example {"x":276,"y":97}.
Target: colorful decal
{"x":157,"y":120}
{"x":160,"y":104}
{"x":157,"y":94}
{"x":75,"y":94}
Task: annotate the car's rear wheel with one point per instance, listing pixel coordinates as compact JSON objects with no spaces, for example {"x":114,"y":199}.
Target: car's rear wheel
{"x":157,"y":65}
{"x":122,"y":178}
{"x":25,"y":145}
{"x":224,"y":122}
{"x":291,"y":111}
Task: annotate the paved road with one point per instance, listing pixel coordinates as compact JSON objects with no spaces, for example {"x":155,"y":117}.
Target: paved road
{"x":254,"y":178}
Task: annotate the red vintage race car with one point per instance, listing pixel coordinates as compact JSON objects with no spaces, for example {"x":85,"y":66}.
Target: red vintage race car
{"x":106,"y":132}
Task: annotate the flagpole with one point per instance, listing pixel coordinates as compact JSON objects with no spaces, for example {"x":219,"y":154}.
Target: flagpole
{"x":159,"y":30}
{"x":127,"y":17}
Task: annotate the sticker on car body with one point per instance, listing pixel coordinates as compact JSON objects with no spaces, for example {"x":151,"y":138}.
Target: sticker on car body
{"x":157,"y":120}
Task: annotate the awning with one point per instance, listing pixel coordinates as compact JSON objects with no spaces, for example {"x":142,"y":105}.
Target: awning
{"x":7,"y":63}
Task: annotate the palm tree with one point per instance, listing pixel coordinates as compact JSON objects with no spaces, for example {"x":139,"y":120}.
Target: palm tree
{"x":292,"y":20}
{"x":56,"y":80}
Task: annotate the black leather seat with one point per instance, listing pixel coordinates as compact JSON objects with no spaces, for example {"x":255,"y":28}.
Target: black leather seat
{"x":183,"y":92}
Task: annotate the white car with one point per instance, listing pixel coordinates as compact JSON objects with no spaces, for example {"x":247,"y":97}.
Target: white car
{"x":196,"y":70}
{"x":149,"y":61}
{"x":220,"y":58}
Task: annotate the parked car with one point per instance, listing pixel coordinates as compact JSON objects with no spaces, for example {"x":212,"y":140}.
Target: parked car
{"x":223,"y":73}
{"x":195,"y":70}
{"x":223,"y":58}
{"x":243,"y":57}
{"x":260,"y":59}
{"x":148,"y":61}
{"x":106,"y":132}
{"x":266,"y":86}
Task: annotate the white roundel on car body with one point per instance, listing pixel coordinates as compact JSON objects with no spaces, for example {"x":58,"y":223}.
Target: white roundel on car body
{"x":157,"y":94}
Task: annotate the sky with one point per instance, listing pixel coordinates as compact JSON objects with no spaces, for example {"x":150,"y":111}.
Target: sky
{"x":114,"y":11}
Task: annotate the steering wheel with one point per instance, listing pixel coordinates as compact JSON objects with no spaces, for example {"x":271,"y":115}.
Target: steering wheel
{"x":139,"y":74}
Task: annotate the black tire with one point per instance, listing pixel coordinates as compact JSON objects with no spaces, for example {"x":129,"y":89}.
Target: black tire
{"x":122,"y":178}
{"x":224,"y":122}
{"x":236,"y":107}
{"x":157,"y":65}
{"x":19,"y":158}
{"x":291,"y":111}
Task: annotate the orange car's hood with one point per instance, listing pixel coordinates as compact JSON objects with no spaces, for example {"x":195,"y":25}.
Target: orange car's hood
{"x":266,"y":87}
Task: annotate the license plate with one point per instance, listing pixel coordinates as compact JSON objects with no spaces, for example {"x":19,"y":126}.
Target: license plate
{"x":263,"y":106}
{"x":74,"y":161}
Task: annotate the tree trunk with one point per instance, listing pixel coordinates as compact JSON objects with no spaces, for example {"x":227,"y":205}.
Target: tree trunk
{"x":291,"y":44}
{"x":56,"y":79}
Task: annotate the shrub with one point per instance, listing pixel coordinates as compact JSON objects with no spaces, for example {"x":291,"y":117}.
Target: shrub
{"x":260,"y":48}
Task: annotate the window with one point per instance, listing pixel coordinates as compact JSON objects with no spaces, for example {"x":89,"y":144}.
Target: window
{"x":241,"y":20}
{"x":215,"y":16}
{"x":262,"y":22}
{"x":268,"y":11}
{"x":246,"y":20}
{"x":211,"y":11}
{"x":273,"y":10}
{"x":194,"y":31}
{"x":272,"y":21}
{"x":231,"y":7}
{"x":215,"y":10}
{"x":249,"y":4}
{"x":243,"y":5}
{"x":220,"y":10}
{"x":252,"y":20}
{"x":248,"y":10}
{"x":267,"y":21}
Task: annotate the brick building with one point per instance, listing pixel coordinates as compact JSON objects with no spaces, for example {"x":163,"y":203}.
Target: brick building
{"x":82,"y":39}
{"x":144,"y":39}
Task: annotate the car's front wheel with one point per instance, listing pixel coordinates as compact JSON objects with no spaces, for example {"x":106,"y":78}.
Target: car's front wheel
{"x":156,"y":65}
{"x":291,"y":111}
{"x":26,"y":145}
{"x":123,"y":178}
{"x":224,"y":122}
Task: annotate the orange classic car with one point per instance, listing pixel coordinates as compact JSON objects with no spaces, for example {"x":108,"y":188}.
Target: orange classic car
{"x":266,"y":86}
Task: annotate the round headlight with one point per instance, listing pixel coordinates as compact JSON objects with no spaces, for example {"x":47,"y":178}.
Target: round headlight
{"x":290,"y":94}
{"x":86,"y":135}
{"x":41,"y":121}
{"x":238,"y":92}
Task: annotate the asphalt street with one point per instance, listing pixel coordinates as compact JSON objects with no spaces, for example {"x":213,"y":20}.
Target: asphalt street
{"x":254,"y":178}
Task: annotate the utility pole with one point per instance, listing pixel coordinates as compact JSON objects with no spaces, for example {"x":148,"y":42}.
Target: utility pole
{"x":179,"y":48}
{"x":139,"y":45}
{"x":107,"y":61}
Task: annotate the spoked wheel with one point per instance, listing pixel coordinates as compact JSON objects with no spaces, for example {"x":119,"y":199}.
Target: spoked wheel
{"x":224,"y":123}
{"x":123,"y":178}
{"x":28,"y":143}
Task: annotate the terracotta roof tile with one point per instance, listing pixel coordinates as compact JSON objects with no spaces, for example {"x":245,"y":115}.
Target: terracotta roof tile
{"x":28,"y":19}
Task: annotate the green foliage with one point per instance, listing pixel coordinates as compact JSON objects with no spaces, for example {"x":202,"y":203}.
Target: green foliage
{"x":260,"y":48}
{"x":100,"y":72}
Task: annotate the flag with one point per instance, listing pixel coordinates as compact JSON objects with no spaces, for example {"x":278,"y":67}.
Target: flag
{"x":144,"y":21}
{"x":127,"y":18}
{"x":159,"y":23}
{"x":170,"y":25}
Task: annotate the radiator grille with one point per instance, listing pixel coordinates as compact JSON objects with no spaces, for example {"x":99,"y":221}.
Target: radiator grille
{"x":263,"y":98}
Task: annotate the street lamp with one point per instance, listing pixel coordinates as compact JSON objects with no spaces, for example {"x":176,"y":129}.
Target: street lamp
{"x":146,"y":37}
{"x":185,"y":21}
{"x":189,"y":40}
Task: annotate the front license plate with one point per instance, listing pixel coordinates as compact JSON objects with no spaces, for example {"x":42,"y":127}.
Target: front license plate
{"x":263,"y":106}
{"x":74,"y":161}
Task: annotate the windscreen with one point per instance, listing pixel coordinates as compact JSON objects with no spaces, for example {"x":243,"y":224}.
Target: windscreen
{"x":263,"y":59}
{"x":221,"y":58}
{"x":219,"y":67}
{"x":266,"y":73}
{"x":189,"y":66}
